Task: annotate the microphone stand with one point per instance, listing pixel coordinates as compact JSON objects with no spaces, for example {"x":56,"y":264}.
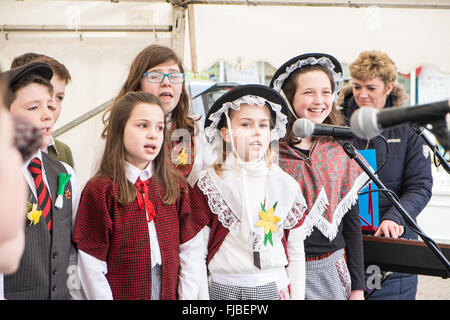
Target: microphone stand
{"x":440,"y":130}
{"x":351,"y":151}
{"x":420,"y":131}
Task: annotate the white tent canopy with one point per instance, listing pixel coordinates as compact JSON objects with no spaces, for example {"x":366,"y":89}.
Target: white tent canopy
{"x":246,"y":34}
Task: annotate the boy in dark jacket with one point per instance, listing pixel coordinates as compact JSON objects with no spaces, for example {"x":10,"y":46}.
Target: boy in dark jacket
{"x":407,"y":171}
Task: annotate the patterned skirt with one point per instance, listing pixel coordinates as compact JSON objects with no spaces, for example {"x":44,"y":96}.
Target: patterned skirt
{"x":269,"y":291}
{"x":328,"y":278}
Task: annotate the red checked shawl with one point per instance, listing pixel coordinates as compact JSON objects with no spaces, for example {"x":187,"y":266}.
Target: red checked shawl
{"x":329,"y":180}
{"x":119,"y":236}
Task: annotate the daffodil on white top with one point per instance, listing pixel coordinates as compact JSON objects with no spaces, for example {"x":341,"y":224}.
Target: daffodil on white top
{"x":249,"y":226}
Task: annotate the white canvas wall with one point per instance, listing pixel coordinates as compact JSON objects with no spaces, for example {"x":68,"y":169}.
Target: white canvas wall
{"x":98,"y":64}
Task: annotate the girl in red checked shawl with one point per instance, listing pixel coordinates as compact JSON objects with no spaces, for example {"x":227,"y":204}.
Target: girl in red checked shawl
{"x":242,"y":246}
{"x":327,"y":176}
{"x":127,"y":227}
{"x":158,"y":70}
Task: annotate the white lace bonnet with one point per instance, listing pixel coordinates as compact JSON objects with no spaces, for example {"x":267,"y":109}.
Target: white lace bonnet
{"x":252,"y":94}
{"x":323,"y":59}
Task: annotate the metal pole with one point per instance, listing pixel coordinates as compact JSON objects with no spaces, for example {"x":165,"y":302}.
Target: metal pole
{"x":86,"y":28}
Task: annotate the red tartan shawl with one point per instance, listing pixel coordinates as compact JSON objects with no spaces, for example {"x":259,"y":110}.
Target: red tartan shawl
{"x":119,"y":236}
{"x":329,"y":180}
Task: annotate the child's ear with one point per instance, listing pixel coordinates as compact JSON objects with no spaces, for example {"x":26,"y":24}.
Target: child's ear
{"x":224,"y":133}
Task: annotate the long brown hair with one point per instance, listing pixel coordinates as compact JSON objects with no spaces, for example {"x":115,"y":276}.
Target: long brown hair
{"x":290,"y":87}
{"x":113,"y":161}
{"x":148,"y":58}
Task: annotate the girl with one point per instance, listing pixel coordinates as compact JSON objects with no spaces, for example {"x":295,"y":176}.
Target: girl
{"x":331,"y":181}
{"x":159,"y":71}
{"x":127,"y":229}
{"x":241,"y":240}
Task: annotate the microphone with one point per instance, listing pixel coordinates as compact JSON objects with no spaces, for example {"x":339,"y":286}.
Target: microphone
{"x":367,"y":123}
{"x":304,"y":128}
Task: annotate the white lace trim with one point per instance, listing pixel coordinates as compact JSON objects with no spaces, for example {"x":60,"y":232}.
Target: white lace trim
{"x":296,"y":213}
{"x":277,"y":132}
{"x":323,"y":61}
{"x":315,"y":218}
{"x":218,"y":205}
{"x":314,"y":215}
{"x":229,"y":220}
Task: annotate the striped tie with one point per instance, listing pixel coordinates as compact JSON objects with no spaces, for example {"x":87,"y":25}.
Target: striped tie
{"x":44,"y":200}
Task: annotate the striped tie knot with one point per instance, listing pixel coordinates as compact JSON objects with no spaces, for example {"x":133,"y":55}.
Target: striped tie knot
{"x":43,"y":195}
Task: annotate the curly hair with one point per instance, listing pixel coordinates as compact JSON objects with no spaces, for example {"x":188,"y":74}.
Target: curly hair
{"x":373,"y":64}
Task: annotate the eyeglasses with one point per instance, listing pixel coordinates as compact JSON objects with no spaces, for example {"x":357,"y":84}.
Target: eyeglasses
{"x":158,"y":77}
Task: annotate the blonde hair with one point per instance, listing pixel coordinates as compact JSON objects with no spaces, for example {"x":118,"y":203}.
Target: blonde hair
{"x":373,"y":64}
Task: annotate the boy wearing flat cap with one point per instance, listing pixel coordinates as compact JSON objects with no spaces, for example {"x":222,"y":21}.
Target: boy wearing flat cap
{"x":61,"y":78}
{"x":53,"y":195}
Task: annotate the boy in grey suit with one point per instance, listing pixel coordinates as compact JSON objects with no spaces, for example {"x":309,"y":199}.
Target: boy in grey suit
{"x":53,"y":196}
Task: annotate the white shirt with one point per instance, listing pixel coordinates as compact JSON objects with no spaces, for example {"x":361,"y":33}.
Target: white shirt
{"x":92,"y":271}
{"x":2,"y":296}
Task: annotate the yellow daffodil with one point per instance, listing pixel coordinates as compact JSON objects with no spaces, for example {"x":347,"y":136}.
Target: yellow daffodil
{"x":34,"y":215}
{"x":268,"y":220}
{"x":182,"y":158}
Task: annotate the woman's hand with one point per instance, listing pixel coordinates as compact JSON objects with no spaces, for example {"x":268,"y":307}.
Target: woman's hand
{"x":390,"y":229}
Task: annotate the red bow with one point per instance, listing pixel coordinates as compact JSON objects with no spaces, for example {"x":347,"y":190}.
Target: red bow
{"x":143,"y":200}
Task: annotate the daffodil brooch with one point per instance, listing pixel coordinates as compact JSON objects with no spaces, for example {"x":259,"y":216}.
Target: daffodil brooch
{"x":33,"y":214}
{"x":182,"y":158}
{"x":268,"y":220}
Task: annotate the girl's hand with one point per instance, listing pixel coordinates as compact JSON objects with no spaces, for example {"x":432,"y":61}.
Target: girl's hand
{"x":356,"y":295}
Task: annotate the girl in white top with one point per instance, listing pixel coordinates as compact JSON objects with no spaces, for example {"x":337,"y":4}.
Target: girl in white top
{"x":237,"y":248}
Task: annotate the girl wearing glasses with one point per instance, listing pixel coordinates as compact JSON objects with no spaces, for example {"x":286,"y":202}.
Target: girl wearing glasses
{"x":159,"y":71}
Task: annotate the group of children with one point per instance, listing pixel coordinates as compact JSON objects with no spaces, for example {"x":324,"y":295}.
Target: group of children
{"x":237,"y":208}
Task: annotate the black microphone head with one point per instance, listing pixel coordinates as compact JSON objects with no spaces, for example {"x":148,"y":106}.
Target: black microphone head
{"x":303,"y":128}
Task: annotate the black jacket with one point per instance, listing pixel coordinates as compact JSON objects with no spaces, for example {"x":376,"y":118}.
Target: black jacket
{"x":407,"y":171}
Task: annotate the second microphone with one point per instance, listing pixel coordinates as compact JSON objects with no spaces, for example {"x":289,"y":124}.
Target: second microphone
{"x":304,"y":128}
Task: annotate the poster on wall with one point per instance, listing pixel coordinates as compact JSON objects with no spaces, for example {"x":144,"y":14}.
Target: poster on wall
{"x":432,"y":85}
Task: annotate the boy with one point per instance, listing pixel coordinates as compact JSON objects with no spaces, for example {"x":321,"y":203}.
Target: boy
{"x":61,"y":78}
{"x":42,"y":273}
